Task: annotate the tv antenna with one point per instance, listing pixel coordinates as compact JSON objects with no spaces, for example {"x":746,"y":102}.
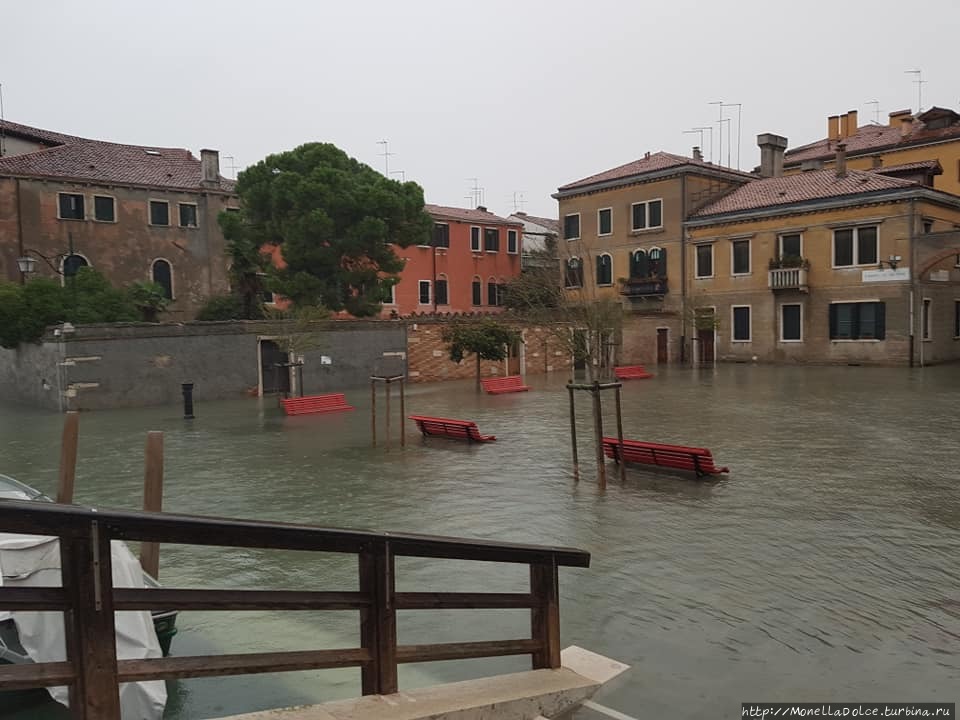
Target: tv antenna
{"x":476,"y":192}
{"x":720,"y":139}
{"x":876,"y":110}
{"x":386,"y":157}
{"x":920,"y":83}
{"x":519,"y":202}
{"x":3,"y":137}
{"x":698,"y":131}
{"x":739,"y":107}
{"x":401,"y":173}
{"x":729,"y":122}
{"x":232,"y":165}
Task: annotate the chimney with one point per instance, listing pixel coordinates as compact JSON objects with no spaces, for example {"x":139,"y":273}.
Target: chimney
{"x":906,"y":125}
{"x":209,"y":167}
{"x":833,"y":127}
{"x":810,"y":165}
{"x":772,"y":148}
{"x":896,"y":115}
{"x":697,"y":155}
{"x":841,"y":162}
{"x":852,"y":125}
{"x":481,"y":208}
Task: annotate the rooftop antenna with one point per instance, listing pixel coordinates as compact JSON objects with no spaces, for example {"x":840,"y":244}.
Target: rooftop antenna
{"x":401,"y":173}
{"x":920,"y":82}
{"x":232,"y":165}
{"x":386,"y":157}
{"x":518,"y":202}
{"x":698,"y":130}
{"x":876,"y":110}
{"x":477,"y":192}
{"x":3,"y":138}
{"x":709,"y":129}
{"x":720,"y":139}
{"x":739,"y":107}
{"x":729,"y":122}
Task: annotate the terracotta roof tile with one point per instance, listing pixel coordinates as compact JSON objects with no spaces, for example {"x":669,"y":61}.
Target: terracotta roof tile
{"x":812,"y":185}
{"x":933,"y":166}
{"x":105,"y":162}
{"x":551,"y":224}
{"x":480,"y":217}
{"x":652,"y":163}
{"x":48,"y":137}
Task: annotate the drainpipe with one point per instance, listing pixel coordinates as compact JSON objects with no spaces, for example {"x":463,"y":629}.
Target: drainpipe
{"x":913,"y":273}
{"x":683,"y":271}
{"x":23,"y":276}
{"x":433,"y":290}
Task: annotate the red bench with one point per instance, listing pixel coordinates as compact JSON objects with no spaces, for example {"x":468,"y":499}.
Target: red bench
{"x":631,"y":372}
{"x":446,"y":427}
{"x":333,"y":402}
{"x":498,"y":386}
{"x":678,"y":457}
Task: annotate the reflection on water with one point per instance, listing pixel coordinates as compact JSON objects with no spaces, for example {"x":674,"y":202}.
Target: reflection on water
{"x":825,"y":567}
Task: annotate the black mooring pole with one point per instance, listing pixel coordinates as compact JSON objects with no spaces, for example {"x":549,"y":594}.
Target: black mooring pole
{"x":187,"y":400}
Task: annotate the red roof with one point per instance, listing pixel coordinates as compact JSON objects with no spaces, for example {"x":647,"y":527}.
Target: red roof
{"x":812,"y":185}
{"x":932,"y":166}
{"x":47,"y":137}
{"x":478,"y":217}
{"x":551,"y":224}
{"x":109,"y":163}
{"x":650,"y":163}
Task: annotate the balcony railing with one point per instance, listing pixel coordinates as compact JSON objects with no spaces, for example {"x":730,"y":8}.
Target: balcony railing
{"x":643,"y":287}
{"x":792,"y":278}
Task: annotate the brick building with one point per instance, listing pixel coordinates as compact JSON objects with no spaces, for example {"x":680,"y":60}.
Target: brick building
{"x":133,"y":212}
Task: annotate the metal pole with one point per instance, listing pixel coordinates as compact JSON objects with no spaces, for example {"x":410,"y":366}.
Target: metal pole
{"x":573,"y":435}
{"x":598,"y":432}
{"x":403,"y":416}
{"x":373,"y":411}
{"x":187,"y":389}
{"x":623,"y":465}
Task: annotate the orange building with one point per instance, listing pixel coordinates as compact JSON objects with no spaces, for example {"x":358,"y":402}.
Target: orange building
{"x":472,"y":254}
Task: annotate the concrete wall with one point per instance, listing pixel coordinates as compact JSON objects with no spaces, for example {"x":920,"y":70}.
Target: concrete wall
{"x":138,"y":364}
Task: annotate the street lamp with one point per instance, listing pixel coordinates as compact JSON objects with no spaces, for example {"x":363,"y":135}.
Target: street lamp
{"x":27,"y":262}
{"x":892,"y":261}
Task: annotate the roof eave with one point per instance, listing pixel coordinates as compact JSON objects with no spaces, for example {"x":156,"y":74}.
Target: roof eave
{"x":830,"y":154}
{"x":648,"y":176}
{"x":113,"y":183}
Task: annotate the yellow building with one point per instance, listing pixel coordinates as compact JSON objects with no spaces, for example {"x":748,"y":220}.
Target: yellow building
{"x":834,"y":265}
{"x":908,"y":146}
{"x":621,"y":234}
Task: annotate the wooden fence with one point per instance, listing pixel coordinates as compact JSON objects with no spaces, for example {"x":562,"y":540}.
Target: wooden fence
{"x":88,"y":600}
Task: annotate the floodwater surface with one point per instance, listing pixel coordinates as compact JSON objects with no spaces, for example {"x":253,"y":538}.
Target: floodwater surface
{"x":825,"y":567}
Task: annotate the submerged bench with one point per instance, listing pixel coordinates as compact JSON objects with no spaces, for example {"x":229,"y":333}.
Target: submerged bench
{"x":447,"y":427}
{"x":631,"y":372}
{"x":678,"y":457}
{"x":332,"y":402}
{"x":498,"y":386}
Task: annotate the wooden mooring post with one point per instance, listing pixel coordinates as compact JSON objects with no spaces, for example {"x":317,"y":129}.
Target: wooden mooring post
{"x":387,"y":380}
{"x":594,"y":388}
{"x":68,"y":457}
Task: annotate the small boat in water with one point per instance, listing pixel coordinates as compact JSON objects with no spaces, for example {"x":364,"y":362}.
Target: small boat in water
{"x":27,"y":637}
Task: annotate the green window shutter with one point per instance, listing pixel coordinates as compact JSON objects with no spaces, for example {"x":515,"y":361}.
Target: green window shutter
{"x":663,"y":263}
{"x":881,"y":321}
{"x":833,"y":321}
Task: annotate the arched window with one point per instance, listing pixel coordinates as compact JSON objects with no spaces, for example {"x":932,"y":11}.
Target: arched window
{"x":573,"y":273}
{"x":477,"y":288}
{"x":604,"y":269}
{"x":639,"y":267}
{"x":162,"y":274}
{"x":72,"y":263}
{"x":442,"y":290}
{"x":492,"y":293}
{"x":657,"y":262}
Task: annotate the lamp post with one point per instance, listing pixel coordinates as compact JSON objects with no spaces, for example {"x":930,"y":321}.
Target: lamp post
{"x":27,"y":263}
{"x":891,"y":261}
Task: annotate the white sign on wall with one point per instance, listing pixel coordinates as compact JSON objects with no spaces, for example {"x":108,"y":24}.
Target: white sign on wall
{"x":886,"y":275}
{"x":940,"y":276}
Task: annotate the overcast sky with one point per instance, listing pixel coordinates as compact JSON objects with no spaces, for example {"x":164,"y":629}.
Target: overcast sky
{"x":523,"y":95}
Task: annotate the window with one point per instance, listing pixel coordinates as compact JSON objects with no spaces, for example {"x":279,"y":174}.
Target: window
{"x":475,"y":239}
{"x":855,"y":246}
{"x":159,"y":212}
{"x":424,"y":298}
{"x":791,"y":245}
{"x":741,"y":323}
{"x":162,"y":274}
{"x":267,"y":297}
{"x":605,"y":221}
{"x":103,"y":209}
{"x":573,"y":273}
{"x":492,"y":294}
{"x":925,"y":318}
{"x":704,"y":261}
{"x":477,"y":289}
{"x":657,"y":262}
{"x":791,"y":323}
{"x":927,"y":226}
{"x":71,"y":206}
{"x":639,"y":266}
{"x":858,"y":321}
{"x":741,"y":257}
{"x":647,"y":214}
{"x":390,"y":294}
{"x":188,"y":215}
{"x":441,"y":235}
{"x":441,"y":291}
{"x":571,"y":227}
{"x":491,"y":239}
{"x":73,"y":263}
{"x":604,"y":270}
{"x":512,"y":241}
{"x":232,"y":209}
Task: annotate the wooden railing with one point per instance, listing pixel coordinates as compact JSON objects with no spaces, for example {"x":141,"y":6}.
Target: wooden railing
{"x":89,"y":600}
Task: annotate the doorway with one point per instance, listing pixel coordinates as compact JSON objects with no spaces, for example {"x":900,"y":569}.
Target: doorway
{"x":663,"y":342}
{"x":274,"y":369}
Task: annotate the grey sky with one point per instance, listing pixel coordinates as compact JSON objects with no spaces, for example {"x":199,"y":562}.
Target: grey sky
{"x":524,"y":95}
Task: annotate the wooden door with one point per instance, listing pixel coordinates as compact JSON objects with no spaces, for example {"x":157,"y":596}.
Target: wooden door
{"x":706,"y":345}
{"x":274,"y":368}
{"x":662,"y":340}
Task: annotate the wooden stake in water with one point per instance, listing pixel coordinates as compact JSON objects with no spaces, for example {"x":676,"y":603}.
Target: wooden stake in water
{"x":152,"y":497}
{"x":619,"y":453}
{"x":573,"y":435}
{"x":598,"y":432}
{"x":388,"y":414}
{"x":68,"y":457}
{"x":373,"y":411}
{"x":403,"y":416}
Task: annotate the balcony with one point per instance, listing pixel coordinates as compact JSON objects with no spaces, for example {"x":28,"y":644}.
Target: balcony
{"x":643,"y":287}
{"x":788,"y":273}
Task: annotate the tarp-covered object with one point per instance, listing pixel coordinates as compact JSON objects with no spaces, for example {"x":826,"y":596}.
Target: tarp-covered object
{"x":34,"y":561}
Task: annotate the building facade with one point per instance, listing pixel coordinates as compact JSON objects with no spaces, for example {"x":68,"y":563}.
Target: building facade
{"x":539,"y":240}
{"x":135,"y":213}
{"x":472,"y":255}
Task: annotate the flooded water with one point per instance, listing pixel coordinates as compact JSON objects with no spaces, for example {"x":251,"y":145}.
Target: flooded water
{"x":825,"y":567}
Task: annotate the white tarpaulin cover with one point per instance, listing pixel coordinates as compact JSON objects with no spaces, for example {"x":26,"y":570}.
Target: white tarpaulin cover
{"x":34,"y":561}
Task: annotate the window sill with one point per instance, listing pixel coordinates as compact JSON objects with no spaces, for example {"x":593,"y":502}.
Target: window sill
{"x":189,"y":227}
{"x":790,"y":342}
{"x":571,"y":239}
{"x":72,"y":219}
{"x":158,"y":226}
{"x":741,"y":342}
{"x":573,"y":287}
{"x":859,"y":266}
{"x":105,"y":222}
{"x":604,"y":234}
{"x":855,"y":340}
{"x":746,"y":274}
{"x":648,"y":231}
{"x":926,"y":340}
{"x":609,"y":284}
{"x":704,"y":277}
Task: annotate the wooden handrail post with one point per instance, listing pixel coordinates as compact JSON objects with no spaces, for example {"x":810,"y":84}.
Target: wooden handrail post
{"x":152,"y":498}
{"x":373,"y":411}
{"x":378,"y":624}
{"x":91,"y":644}
{"x":545,"y":617}
{"x":68,"y":457}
